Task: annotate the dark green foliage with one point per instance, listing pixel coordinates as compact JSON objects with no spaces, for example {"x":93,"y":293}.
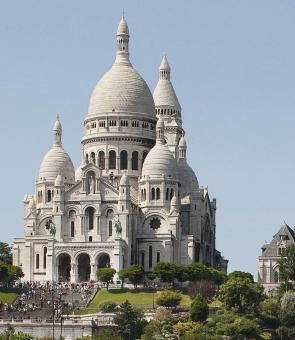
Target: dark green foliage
{"x":241,"y":295}
{"x":169,"y":298}
{"x":199,"y":309}
{"x":9,"y":273}
{"x":107,"y":307}
{"x":105,"y":275}
{"x":107,"y":333}
{"x":287,"y":311}
{"x":5,"y":253}
{"x":269,"y":312}
{"x":152,"y":329}
{"x":130,"y":321}
{"x":165,"y":271}
{"x":287,"y":264}
{"x":243,"y":275}
{"x":134,"y":273}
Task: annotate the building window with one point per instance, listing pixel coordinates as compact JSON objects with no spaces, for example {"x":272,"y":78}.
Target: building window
{"x":101,"y":160}
{"x":102,"y":123}
{"x":158,"y":193}
{"x":113,"y":123}
{"x":90,"y":217}
{"x":150,"y":256}
{"x":90,"y":238}
{"x":123,"y":160}
{"x":134,"y":160}
{"x":155,"y":223}
{"x":72,"y":228}
{"x":48,"y":195}
{"x":44,"y":257}
{"x":112,"y":159}
{"x":37,"y":261}
{"x":276,"y":277}
{"x":92,"y":156}
{"x":171,"y":194}
{"x":153,"y":194}
{"x":110,"y":228}
{"x":167,"y":194}
{"x":158,"y":257}
{"x":142,"y":259}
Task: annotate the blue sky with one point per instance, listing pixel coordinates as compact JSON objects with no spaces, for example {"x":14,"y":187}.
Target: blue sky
{"x":233,"y":71}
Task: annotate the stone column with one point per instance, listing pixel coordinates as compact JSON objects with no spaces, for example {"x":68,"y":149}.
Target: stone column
{"x":92,"y":272}
{"x":118,"y":256}
{"x":51,"y":274}
{"x":73,"y":271}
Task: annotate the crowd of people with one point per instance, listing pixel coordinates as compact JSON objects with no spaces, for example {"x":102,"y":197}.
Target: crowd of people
{"x":44,"y":300}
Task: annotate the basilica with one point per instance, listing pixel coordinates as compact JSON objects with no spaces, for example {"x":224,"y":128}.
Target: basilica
{"x":133,"y":200}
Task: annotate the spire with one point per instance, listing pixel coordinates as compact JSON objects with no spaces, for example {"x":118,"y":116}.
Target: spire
{"x":122,"y":41}
{"x":164,"y":68}
{"x":57,"y":132}
{"x":160,"y":130}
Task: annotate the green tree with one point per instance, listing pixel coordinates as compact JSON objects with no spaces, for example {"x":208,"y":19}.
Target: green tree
{"x":199,"y":309}
{"x":14,"y":273}
{"x":3,"y":271}
{"x":169,"y":298}
{"x":269,"y":314}
{"x":5,"y":253}
{"x":107,"y":307}
{"x":151,"y":330}
{"x":134,"y":274}
{"x":241,"y":295}
{"x":130,"y":321}
{"x":166,"y":271}
{"x":105,"y":275}
{"x":197,"y":271}
{"x":106,"y":333}
{"x":287,"y":311}
{"x":243,"y":275}
{"x":123,"y":275}
{"x":287,"y":264}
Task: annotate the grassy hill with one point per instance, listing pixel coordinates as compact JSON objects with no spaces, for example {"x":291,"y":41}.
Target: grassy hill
{"x":8,"y":295}
{"x":138,"y":298}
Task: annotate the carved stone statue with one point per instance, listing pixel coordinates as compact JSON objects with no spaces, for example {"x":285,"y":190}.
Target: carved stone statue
{"x":91,"y":185}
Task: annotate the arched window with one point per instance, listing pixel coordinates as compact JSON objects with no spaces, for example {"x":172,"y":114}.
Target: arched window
{"x":167,"y":194}
{"x":158,"y":256}
{"x":144,"y":154}
{"x":171,"y":194}
{"x":37,"y":261}
{"x":197,"y":252}
{"x":158,"y":193}
{"x":101,"y":160}
{"x":150,"y":256}
{"x":110,"y":228}
{"x":134,"y":160}
{"x":72,"y":229}
{"x":123,"y":160}
{"x":92,"y":155}
{"x":153,"y":193}
{"x":276,"y":277}
{"x":48,"y":195}
{"x":90,"y":217}
{"x":112,"y":159}
{"x":142,"y":259}
{"x":90,"y":238}
{"x":44,"y":257}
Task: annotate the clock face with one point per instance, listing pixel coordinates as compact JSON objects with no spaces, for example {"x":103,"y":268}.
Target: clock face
{"x":155,"y":223}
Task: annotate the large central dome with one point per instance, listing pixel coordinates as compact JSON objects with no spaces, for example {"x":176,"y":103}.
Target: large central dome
{"x":121,"y":89}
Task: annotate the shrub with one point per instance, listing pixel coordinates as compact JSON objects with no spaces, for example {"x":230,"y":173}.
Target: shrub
{"x":182,"y":328}
{"x":105,"y":275}
{"x":199,"y":309}
{"x":107,"y":307}
{"x":163,"y":314}
{"x":169,"y":298}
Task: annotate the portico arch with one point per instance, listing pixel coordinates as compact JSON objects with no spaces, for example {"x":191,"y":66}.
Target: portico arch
{"x":103,"y":260}
{"x":64,"y":267}
{"x":84,"y":269}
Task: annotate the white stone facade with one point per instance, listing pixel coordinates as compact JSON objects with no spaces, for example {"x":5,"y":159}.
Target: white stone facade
{"x":134,"y":170}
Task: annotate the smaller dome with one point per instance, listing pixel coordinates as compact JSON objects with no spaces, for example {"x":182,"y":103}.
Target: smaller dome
{"x":160,"y":162}
{"x":123,"y":27}
{"x":124,"y":180}
{"x":182,"y":142}
{"x":55,"y":161}
{"x":58,"y":181}
{"x":188,"y":179}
